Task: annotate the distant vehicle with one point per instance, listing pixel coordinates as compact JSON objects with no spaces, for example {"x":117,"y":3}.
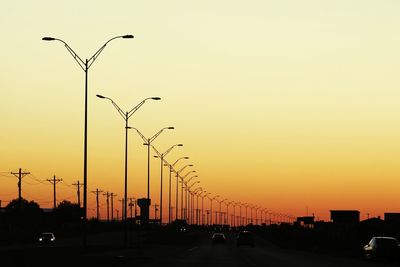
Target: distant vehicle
{"x":218,"y":238}
{"x":47,"y":239}
{"x":245,"y":238}
{"x":381,"y":247}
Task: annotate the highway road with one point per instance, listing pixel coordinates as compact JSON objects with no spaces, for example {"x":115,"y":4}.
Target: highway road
{"x":206,"y":254}
{"x":201,"y":252}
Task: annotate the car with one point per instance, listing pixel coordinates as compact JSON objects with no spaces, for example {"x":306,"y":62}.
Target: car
{"x":382,"y":247}
{"x":46,"y":239}
{"x":245,"y":238}
{"x":218,"y":238}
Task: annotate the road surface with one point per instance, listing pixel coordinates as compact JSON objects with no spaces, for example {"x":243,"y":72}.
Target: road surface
{"x":201,"y":252}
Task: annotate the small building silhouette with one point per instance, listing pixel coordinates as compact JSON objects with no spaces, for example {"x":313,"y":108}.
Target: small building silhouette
{"x":345,"y":216}
{"x":392,"y":217}
{"x":305,"y":220}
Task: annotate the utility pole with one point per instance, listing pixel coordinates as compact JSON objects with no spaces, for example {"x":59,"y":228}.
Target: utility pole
{"x":112,"y":206}
{"x":107,"y":194}
{"x":78,"y":185}
{"x":97,"y":192}
{"x":20,"y":176}
{"x":54,"y":181}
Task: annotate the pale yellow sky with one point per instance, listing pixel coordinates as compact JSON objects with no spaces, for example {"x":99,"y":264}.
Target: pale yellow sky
{"x":284,"y":104}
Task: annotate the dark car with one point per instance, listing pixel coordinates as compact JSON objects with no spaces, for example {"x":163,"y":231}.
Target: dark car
{"x":381,"y":247}
{"x":46,"y":239}
{"x":245,"y":238}
{"x":218,"y":238}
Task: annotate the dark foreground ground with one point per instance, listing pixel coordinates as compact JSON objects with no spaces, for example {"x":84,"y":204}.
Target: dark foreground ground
{"x":173,"y":249}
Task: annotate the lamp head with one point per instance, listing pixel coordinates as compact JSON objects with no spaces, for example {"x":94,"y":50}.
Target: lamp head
{"x":170,"y":128}
{"x":179,"y":145}
{"x":128,"y":36}
{"x":48,"y":39}
{"x":156,"y":98}
{"x":186,"y":157}
{"x":100,"y":96}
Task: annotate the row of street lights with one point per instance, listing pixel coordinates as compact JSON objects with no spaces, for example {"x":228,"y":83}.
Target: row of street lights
{"x":85,"y":65}
{"x":185,"y":183}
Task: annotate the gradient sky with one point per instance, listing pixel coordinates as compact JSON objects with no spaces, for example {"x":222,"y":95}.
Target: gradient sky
{"x":290,"y":105}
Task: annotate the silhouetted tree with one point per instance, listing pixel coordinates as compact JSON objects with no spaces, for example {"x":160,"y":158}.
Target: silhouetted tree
{"x":23,"y":211}
{"x":67,"y":211}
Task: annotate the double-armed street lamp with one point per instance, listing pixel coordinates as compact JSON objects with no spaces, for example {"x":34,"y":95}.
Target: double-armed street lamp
{"x":220,"y":209}
{"x":187,"y":191}
{"x":227,"y":212}
{"x":177,"y":184}
{"x":85,"y":65}
{"x":202,"y":205}
{"x":234,"y":222}
{"x":171,"y":168}
{"x":162,"y":156}
{"x":183,"y":182}
{"x":147,"y":142}
{"x":126,"y":116}
{"x":188,"y":198}
{"x":197,"y":192}
{"x":211,"y":201}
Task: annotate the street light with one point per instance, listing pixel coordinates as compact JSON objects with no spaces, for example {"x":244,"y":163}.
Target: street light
{"x":187,"y":204}
{"x":211,"y":200}
{"x":183,"y":210}
{"x":177,"y":182}
{"x":85,"y":65}
{"x":171,"y":166}
{"x":197,"y":192}
{"x":202,"y":206}
{"x":220,"y":211}
{"x":147,"y":142}
{"x":126,"y":116}
{"x":162,"y":156}
{"x":188,"y":199}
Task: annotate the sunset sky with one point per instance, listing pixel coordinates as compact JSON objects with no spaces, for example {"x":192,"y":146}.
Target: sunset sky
{"x":290,"y":105}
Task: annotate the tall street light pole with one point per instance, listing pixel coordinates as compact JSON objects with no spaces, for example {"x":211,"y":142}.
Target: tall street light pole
{"x":177,"y":185}
{"x":189,"y":198}
{"x":183,"y":211}
{"x":162,"y":156}
{"x":202,"y":206}
{"x":147,"y":142}
{"x":211,"y":201}
{"x":126,"y":116}
{"x":85,"y":65}
{"x":220,"y":210}
{"x":171,"y":168}
{"x":197,"y":192}
{"x":187,"y":193}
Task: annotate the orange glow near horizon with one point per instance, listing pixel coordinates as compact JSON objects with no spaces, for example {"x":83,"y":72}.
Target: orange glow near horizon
{"x":288,"y":105}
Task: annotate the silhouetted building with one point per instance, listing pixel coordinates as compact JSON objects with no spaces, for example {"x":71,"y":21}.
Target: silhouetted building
{"x":392,"y":217}
{"x":306,"y":220}
{"x":345,"y":216}
{"x":144,"y":204}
